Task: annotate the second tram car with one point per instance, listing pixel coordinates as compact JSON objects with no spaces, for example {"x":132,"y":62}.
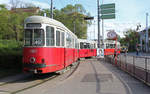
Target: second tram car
{"x":87,"y":48}
{"x":110,"y":47}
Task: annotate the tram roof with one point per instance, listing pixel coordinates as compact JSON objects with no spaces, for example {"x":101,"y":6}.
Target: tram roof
{"x":46,"y":20}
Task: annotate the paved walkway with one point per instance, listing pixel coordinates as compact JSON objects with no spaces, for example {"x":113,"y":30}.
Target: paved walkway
{"x":94,"y":77}
{"x":91,"y":78}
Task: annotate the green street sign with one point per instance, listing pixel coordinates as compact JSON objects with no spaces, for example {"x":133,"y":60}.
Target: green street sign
{"x":109,"y":16}
{"x":107,"y":11}
{"x":107,"y":6}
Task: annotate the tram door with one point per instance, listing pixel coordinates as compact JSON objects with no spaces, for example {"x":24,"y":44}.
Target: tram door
{"x":69,"y":50}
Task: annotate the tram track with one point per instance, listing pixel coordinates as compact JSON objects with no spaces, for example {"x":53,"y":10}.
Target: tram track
{"x":13,"y":79}
{"x":39,"y":83}
{"x":21,"y":85}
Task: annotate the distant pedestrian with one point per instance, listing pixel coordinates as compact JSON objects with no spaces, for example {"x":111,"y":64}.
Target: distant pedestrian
{"x":125,"y":51}
{"x":137,"y":51}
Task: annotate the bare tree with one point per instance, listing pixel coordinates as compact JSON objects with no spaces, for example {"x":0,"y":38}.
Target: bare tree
{"x":15,"y":3}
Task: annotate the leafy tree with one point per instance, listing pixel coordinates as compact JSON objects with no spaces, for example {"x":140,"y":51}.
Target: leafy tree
{"x":4,"y":20}
{"x":131,"y":39}
{"x":75,"y":15}
{"x":11,"y":24}
{"x":71,"y":16}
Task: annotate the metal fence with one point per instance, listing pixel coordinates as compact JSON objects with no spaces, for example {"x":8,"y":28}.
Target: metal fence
{"x":137,"y":66}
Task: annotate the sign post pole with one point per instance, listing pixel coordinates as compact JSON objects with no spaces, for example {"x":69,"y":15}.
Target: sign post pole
{"x":116,"y":51}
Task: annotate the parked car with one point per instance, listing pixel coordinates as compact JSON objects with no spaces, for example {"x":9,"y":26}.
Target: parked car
{"x":124,"y":49}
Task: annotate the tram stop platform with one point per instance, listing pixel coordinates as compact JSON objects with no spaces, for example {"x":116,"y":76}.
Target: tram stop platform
{"x":96,"y":77}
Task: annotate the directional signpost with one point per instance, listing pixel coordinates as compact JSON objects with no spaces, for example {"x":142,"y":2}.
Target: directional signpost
{"x":107,"y":6}
{"x":107,"y":11}
{"x":110,"y":16}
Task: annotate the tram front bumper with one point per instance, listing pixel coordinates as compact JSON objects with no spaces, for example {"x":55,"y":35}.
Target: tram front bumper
{"x":30,"y":65}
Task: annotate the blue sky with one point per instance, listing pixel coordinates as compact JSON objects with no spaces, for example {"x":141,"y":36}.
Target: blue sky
{"x":129,"y":13}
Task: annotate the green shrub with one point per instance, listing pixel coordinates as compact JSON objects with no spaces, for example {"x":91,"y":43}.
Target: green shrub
{"x":10,"y":47}
{"x":11,"y":54}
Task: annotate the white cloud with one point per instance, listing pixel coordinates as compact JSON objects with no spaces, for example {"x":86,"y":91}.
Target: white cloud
{"x":119,"y":28}
{"x":4,"y":1}
{"x":39,"y":4}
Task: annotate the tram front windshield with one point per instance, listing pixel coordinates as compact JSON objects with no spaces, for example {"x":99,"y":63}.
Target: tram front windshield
{"x":34,"y":37}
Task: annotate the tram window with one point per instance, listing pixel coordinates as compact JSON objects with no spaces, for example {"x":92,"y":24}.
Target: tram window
{"x":113,"y":45}
{"x":38,"y":37}
{"x":81,"y":45}
{"x":76,"y":44}
{"x":57,"y":38}
{"x":73,"y":43}
{"x":68,"y":40}
{"x":50,"y":36}
{"x":92,"y":46}
{"x":87,"y":46}
{"x":62,"y":39}
{"x":84,"y":45}
{"x":34,"y":37}
{"x":28,"y":37}
{"x":107,"y":45}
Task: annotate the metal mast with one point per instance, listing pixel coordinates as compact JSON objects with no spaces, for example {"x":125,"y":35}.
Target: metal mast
{"x":51,"y":9}
{"x":98,"y":21}
{"x":146,"y":39}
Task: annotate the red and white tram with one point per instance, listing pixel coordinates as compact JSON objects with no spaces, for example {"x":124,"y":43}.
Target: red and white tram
{"x":48,"y":45}
{"x":87,"y":48}
{"x":110,"y":47}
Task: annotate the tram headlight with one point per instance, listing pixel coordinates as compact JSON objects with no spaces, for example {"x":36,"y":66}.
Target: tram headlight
{"x":32,"y":60}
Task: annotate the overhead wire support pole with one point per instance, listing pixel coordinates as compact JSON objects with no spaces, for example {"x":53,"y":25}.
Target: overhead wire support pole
{"x":102,"y":31}
{"x":146,"y":40}
{"x":94,"y":30}
{"x":98,"y":21}
{"x":51,"y":9}
{"x":74,"y":27}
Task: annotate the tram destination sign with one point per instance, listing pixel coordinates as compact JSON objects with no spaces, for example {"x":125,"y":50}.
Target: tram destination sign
{"x":33,"y":25}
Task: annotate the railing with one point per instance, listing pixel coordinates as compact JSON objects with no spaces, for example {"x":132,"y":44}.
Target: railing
{"x":137,"y":66}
